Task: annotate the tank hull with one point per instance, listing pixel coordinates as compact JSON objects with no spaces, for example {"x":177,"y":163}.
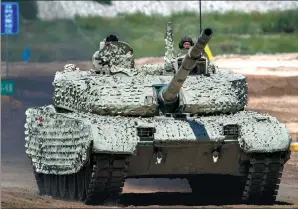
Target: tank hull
{"x":87,"y":157}
{"x":58,"y":142}
{"x":102,"y":179}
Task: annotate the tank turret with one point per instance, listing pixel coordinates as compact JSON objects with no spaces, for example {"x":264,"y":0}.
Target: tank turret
{"x":168,"y":95}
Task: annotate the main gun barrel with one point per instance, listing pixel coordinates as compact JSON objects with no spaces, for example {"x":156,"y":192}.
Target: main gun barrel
{"x":169,"y":94}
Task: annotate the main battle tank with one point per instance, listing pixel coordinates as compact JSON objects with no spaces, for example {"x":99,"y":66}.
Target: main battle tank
{"x":186,"y":120}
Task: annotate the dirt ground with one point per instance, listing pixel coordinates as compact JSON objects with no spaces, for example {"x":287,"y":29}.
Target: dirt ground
{"x":274,"y":93}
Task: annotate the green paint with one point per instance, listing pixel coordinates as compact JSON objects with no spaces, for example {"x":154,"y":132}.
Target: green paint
{"x":7,"y":87}
{"x":145,"y":143}
{"x":168,"y":68}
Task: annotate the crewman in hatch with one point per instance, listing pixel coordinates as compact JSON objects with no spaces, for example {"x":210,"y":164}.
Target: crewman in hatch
{"x":109,"y":39}
{"x":113,"y":52}
{"x":185,"y":43}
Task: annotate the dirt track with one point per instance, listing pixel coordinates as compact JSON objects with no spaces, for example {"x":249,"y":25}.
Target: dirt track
{"x":275,"y":94}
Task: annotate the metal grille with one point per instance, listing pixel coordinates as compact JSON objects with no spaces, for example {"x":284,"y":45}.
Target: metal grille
{"x":146,"y":134}
{"x":231,"y":130}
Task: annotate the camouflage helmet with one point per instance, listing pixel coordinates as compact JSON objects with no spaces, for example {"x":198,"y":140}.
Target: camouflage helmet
{"x":185,"y":39}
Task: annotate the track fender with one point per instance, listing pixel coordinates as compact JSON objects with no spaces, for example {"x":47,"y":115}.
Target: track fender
{"x":264,"y":134}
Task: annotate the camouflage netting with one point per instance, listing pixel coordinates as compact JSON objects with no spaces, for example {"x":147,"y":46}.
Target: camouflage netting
{"x":116,"y":54}
{"x":85,"y":91}
{"x":59,"y":143}
{"x":56,"y":143}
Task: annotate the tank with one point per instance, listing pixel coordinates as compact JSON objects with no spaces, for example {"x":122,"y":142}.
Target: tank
{"x":184,"y":119}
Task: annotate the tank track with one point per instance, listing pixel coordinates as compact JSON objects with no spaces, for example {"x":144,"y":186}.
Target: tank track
{"x":101,"y":180}
{"x":264,"y":176}
{"x":259,"y":183}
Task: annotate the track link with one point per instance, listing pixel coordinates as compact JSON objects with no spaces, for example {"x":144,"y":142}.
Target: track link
{"x":264,"y":176}
{"x":258,"y":184}
{"x":101,"y":180}
{"x":108,"y":176}
{"x":39,"y":182}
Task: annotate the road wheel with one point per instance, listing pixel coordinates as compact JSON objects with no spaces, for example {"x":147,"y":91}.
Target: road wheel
{"x":107,"y":180}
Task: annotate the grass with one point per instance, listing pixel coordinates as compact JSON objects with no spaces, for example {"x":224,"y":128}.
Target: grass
{"x":62,"y":40}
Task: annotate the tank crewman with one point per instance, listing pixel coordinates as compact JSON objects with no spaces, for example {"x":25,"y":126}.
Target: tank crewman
{"x":186,"y":42}
{"x":110,"y":39}
{"x":113,"y":52}
{"x":107,"y":41}
{"x":184,"y":45}
{"x":97,"y":60}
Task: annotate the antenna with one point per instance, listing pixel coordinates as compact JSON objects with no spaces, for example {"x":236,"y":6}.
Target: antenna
{"x":200,"y":16}
{"x":83,"y":34}
{"x":80,"y":31}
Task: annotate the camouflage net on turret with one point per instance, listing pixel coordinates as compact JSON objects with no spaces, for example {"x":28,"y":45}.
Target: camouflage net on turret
{"x":85,"y":91}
